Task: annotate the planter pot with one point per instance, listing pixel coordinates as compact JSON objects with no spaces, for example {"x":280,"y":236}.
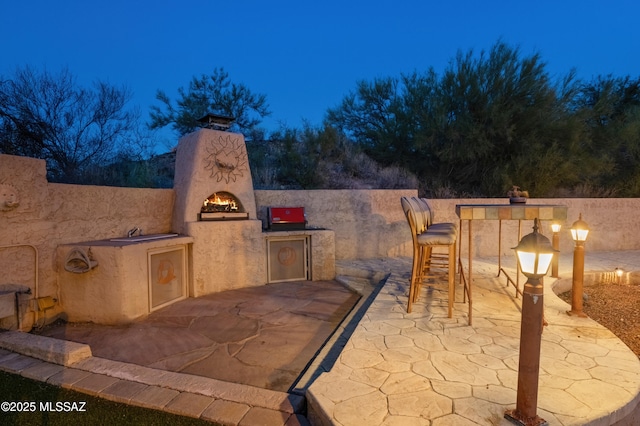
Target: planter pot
{"x":517,"y":200}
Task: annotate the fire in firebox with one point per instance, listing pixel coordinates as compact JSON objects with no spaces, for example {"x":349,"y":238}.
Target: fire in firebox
{"x":222,"y":206}
{"x":217,"y":203}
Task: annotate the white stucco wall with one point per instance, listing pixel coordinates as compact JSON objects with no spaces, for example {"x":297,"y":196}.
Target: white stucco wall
{"x":612,"y":221}
{"x":49,"y":215}
{"x":365,"y":223}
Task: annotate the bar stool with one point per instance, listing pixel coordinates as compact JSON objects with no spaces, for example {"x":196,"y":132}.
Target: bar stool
{"x":427,"y":265}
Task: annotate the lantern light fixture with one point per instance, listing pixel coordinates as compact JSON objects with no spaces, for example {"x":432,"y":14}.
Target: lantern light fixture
{"x":555,"y":263}
{"x":535,"y":253}
{"x":618,"y":273}
{"x":579,"y":230}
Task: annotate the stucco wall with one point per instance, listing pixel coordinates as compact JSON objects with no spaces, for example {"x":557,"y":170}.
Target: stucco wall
{"x":613,"y":223}
{"x":49,"y":215}
{"x":366,"y":223}
{"x":370,"y":223}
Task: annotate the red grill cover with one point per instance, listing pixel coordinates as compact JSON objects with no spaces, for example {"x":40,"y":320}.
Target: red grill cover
{"x":286,"y":215}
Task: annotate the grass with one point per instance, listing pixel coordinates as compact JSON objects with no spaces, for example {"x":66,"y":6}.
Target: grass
{"x":98,"y":411}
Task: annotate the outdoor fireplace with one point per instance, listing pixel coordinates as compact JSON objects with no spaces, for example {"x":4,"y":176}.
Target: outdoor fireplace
{"x":222,"y":205}
{"x":215,"y":204}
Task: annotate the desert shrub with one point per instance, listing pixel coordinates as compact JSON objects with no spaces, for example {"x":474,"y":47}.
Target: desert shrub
{"x":584,"y":190}
{"x":395,"y":177}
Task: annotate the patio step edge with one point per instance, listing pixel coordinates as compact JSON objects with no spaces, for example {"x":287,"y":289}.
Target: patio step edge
{"x":48,"y":349}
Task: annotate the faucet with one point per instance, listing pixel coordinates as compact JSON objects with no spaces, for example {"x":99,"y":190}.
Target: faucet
{"x":133,"y":231}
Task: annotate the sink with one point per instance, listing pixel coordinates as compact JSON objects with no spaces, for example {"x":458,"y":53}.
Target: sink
{"x":126,"y":283}
{"x":143,"y":238}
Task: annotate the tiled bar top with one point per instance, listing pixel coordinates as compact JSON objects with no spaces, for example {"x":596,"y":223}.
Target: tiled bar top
{"x":511,"y":211}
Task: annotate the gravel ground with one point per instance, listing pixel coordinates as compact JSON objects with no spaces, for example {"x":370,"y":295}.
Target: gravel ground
{"x":615,"y":306}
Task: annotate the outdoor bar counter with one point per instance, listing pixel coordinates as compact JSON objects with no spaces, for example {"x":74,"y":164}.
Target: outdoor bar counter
{"x":500,"y":212}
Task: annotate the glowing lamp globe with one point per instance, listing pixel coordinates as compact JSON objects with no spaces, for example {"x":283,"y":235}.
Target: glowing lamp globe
{"x":535,"y":253}
{"x":579,"y":230}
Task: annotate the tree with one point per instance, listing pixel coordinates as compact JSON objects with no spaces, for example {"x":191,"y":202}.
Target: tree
{"x":210,"y":94}
{"x":478,"y":128}
{"x":49,"y":116}
{"x":376,"y":116}
{"x":505,"y":120}
{"x":610,"y":108}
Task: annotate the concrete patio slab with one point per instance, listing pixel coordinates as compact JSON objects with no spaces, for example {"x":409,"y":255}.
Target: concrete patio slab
{"x":263,"y":336}
{"x":395,"y":368}
{"x":425,"y":368}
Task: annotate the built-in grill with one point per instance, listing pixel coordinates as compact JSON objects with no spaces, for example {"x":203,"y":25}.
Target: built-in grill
{"x":288,"y":253}
{"x":222,"y":206}
{"x":286,"y":218}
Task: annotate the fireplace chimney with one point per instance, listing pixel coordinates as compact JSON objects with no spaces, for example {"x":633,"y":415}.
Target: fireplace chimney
{"x":216,"y":122}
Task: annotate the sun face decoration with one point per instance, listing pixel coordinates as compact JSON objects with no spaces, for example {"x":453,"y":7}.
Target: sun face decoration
{"x":227,"y":159}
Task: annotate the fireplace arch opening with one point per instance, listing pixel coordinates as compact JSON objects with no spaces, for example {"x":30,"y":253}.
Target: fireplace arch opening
{"x":222,"y":205}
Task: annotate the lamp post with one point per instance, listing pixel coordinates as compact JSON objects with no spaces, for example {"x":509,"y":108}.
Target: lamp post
{"x":579,"y":232}
{"x":534,"y":253}
{"x":555,"y":228}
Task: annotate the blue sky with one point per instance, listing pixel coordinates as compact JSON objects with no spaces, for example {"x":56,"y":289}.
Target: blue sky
{"x":305,"y":55}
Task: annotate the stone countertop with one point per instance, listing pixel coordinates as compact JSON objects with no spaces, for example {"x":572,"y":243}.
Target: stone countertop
{"x":144,"y":239}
